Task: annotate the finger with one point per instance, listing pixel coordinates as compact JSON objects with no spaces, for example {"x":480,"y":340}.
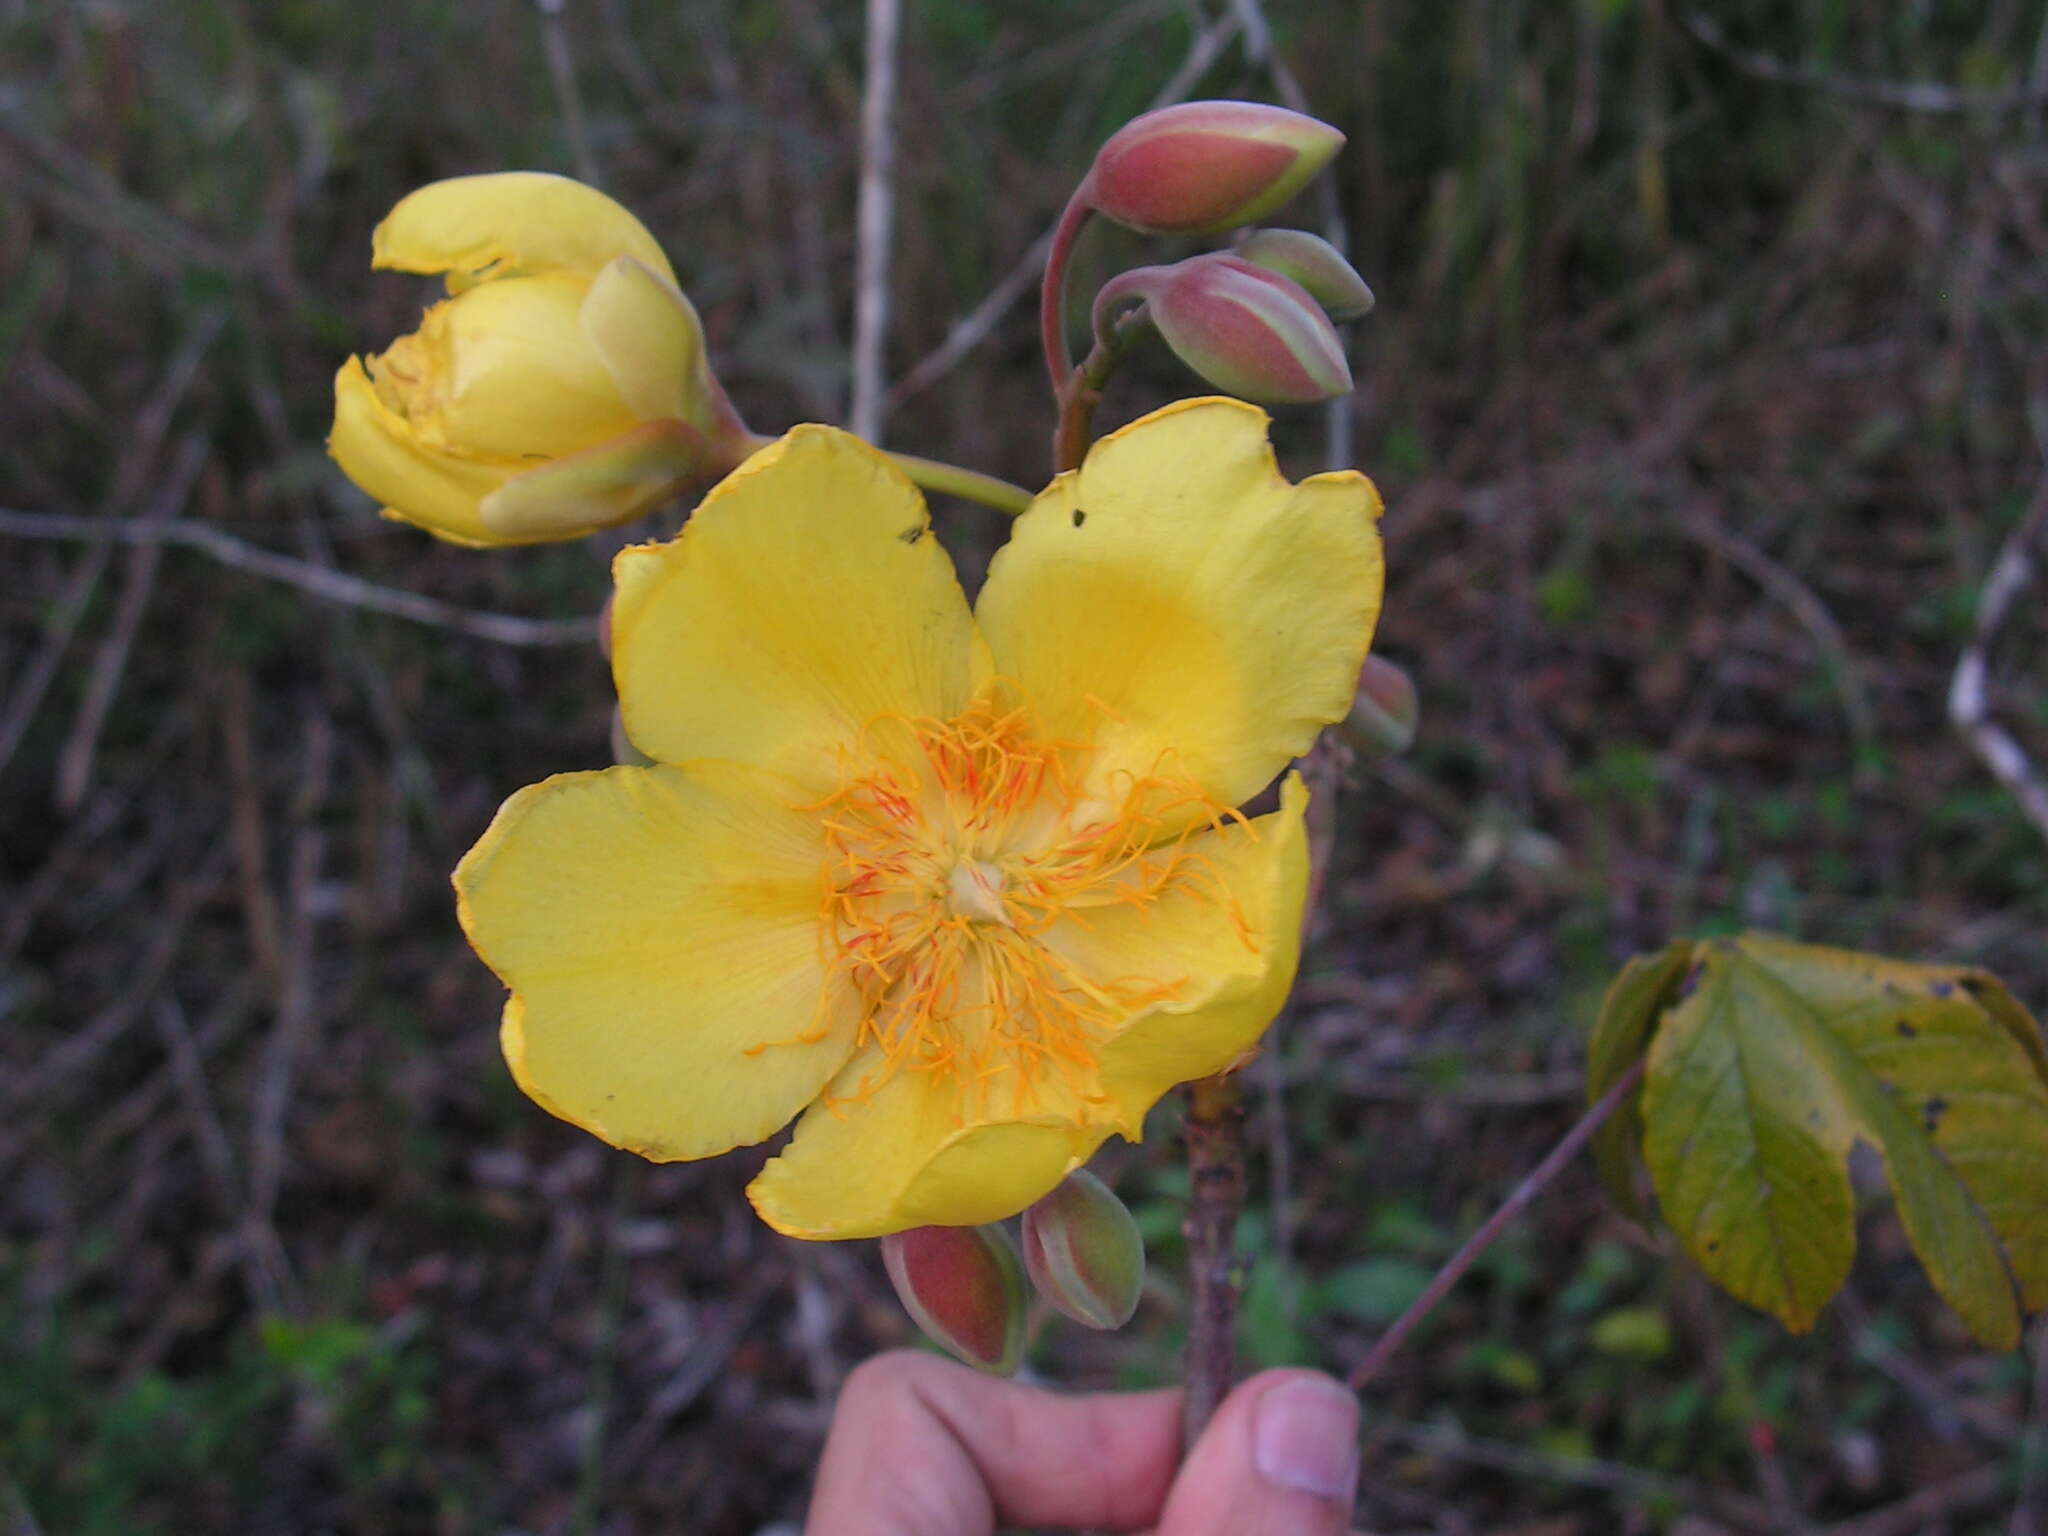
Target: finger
{"x":1280,"y":1457}
{"x":923,"y":1447}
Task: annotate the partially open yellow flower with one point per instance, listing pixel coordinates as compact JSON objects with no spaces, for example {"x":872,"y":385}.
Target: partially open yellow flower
{"x":561,"y":388}
{"x":964,"y":889}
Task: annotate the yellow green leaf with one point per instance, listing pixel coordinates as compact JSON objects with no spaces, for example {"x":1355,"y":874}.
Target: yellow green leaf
{"x":1621,"y":1034}
{"x":1771,"y":1062}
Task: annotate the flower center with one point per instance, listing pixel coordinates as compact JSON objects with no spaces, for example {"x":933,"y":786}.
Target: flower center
{"x":975,"y":889}
{"x":955,"y":849}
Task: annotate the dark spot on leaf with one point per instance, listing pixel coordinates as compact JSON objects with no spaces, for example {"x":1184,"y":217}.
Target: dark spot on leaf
{"x":1942,"y":988}
{"x":1931,"y":1113}
{"x":1080,"y":517}
{"x":1691,"y":984}
{"x":913,"y":534}
{"x":1813,"y":1117}
{"x":1713,"y":1245}
{"x":1906,"y":1031}
{"x":1892,"y":989}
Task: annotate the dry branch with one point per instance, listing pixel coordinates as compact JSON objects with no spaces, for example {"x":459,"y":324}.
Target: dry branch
{"x":1969,"y":707}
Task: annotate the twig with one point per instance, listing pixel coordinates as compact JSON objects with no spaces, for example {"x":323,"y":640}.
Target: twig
{"x":604,"y":1346}
{"x":875,"y":218}
{"x":973,"y":328}
{"x":1812,"y":613}
{"x":2030,"y":1510}
{"x":1907,"y":95}
{"x":332,"y":586}
{"x":74,"y":763}
{"x":1583,"y":1472}
{"x":130,"y":476}
{"x":561,"y":59}
{"x":2015,"y":569}
{"x":296,"y":996}
{"x":1215,"y":1137}
{"x":1524,"y":1192}
{"x":1924,"y":1508}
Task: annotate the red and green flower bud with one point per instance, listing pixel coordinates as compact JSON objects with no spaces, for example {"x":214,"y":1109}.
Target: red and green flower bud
{"x":1312,"y":262}
{"x":1384,"y":714}
{"x":964,"y":1287}
{"x":1249,"y":331}
{"x":1083,"y":1252}
{"x":1206,"y":166}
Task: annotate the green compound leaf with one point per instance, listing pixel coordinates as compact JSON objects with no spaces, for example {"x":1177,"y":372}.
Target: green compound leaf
{"x":1772,"y":1060}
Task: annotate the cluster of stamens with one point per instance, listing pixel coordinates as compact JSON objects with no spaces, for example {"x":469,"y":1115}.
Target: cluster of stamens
{"x":953,"y":847}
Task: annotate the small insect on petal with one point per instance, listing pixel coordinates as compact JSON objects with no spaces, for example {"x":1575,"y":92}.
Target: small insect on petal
{"x":965,"y":1288}
{"x":1083,"y":1252}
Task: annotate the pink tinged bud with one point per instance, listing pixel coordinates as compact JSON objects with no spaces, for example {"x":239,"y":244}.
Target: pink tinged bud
{"x":1250,"y":332}
{"x":964,"y":1287}
{"x":1206,"y":166}
{"x":1083,"y":1252}
{"x":1384,"y":715}
{"x":1312,"y":262}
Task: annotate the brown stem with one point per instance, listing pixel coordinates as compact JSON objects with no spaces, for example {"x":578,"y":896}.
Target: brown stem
{"x":1526,"y":1191}
{"x":1215,"y":1137}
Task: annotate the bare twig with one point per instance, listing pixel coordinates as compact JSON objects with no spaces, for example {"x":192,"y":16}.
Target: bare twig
{"x":74,"y":763}
{"x":554,"y":43}
{"x":2016,"y":568}
{"x":1907,"y":95}
{"x":1926,"y":1508}
{"x":2030,"y":1510}
{"x":1578,"y":1471}
{"x":329,"y":585}
{"x":131,"y":475}
{"x":973,"y":328}
{"x":1812,"y":613}
{"x":1524,"y":1192}
{"x":1215,"y":1137}
{"x":876,"y":218}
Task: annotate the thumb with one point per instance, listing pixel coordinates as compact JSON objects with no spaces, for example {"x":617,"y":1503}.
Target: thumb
{"x":1280,"y":1457}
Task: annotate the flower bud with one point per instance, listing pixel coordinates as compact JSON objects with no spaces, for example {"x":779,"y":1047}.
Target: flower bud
{"x":1384,"y":714}
{"x":1206,"y":166}
{"x":1083,"y":1252}
{"x":560,"y":388}
{"x":1248,"y":331}
{"x":964,"y":1287}
{"x":1312,"y":262}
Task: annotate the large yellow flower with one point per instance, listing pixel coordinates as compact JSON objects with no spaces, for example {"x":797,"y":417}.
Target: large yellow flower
{"x":562,"y":387}
{"x":967,"y":885}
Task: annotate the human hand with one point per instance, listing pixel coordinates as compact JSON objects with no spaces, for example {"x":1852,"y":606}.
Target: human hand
{"x":922,"y":1447}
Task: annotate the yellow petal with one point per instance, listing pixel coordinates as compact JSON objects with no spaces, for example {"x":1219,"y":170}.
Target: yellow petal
{"x":614,"y":482}
{"x":1181,"y":604}
{"x":377,"y":449}
{"x":805,"y":599}
{"x":650,"y":340}
{"x":659,"y":931}
{"x":506,"y":372}
{"x":475,"y":228}
{"x":1232,"y":931}
{"x":901,"y":1158}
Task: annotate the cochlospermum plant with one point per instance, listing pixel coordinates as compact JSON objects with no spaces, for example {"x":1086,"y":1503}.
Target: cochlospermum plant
{"x":962,"y":890}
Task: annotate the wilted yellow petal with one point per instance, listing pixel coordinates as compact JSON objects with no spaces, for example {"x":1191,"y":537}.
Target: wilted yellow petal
{"x":612,"y":483}
{"x":804,"y":600}
{"x":1179,"y":603}
{"x":650,"y":340}
{"x":904,"y":1158}
{"x":417,"y":484}
{"x":1230,"y":931}
{"x":658,"y":929}
{"x":475,"y":228}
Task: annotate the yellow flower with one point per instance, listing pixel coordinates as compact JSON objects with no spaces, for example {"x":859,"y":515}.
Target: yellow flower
{"x":964,"y":889}
{"x":561,"y":388}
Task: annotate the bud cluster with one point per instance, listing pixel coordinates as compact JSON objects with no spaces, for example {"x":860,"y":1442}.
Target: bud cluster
{"x":964,"y":1286}
{"x":1257,"y":320}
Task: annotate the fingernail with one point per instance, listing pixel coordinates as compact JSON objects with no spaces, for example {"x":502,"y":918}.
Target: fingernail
{"x":1305,"y":1438}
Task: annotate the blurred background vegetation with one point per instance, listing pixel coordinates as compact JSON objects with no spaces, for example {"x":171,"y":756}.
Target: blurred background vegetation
{"x":1708,"y":378}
